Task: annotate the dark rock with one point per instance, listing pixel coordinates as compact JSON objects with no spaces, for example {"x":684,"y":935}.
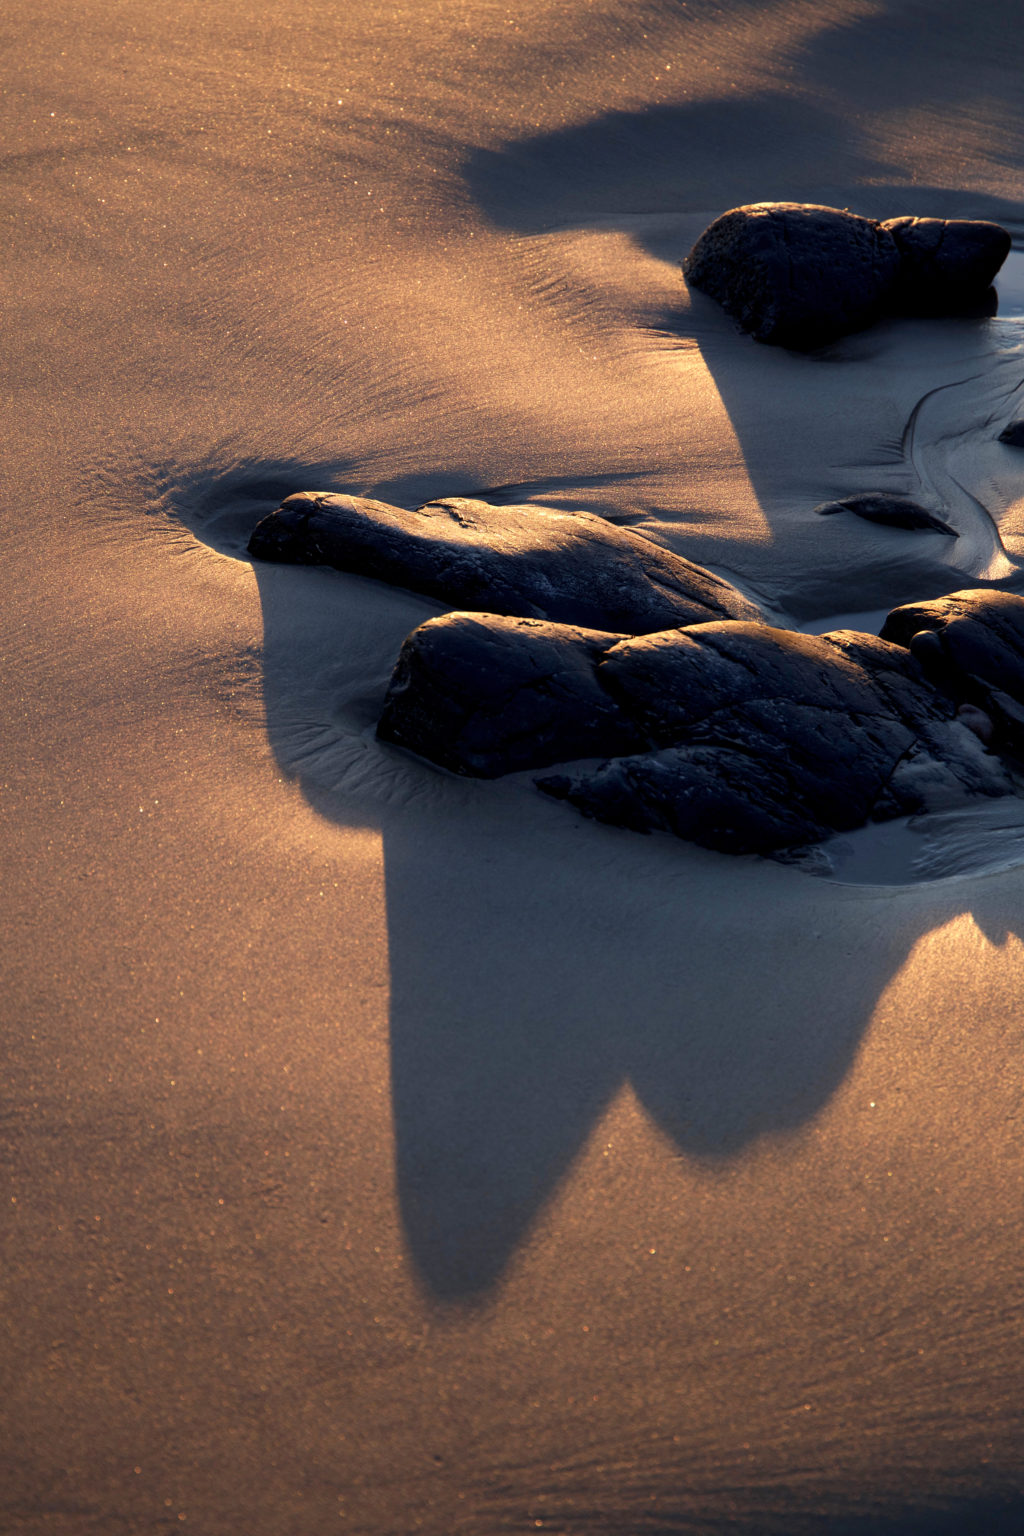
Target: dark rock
{"x":794,"y":274}
{"x":483,"y":695}
{"x":947,"y":266}
{"x":732,"y":801}
{"x":927,"y":649}
{"x":680,"y":681}
{"x":521,"y":561}
{"x":971,"y":644}
{"x":834,"y":732}
{"x":1013,"y":435}
{"x":798,"y":275}
{"x":835,"y":715}
{"x":891,"y":511}
{"x":736,"y":735}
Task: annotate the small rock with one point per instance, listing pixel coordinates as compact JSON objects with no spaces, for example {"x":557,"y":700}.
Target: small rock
{"x":927,"y":648}
{"x":799,"y":275}
{"x":1013,"y":435}
{"x":483,"y":695}
{"x":891,"y":511}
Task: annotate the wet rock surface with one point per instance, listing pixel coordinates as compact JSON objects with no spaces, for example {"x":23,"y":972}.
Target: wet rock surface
{"x":799,"y":275}
{"x":735,"y":735}
{"x":520,"y":561}
{"x":889,"y":511}
{"x":971,"y":646}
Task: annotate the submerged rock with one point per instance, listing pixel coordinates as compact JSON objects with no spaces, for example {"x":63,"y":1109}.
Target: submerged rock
{"x":521,"y":561}
{"x":799,"y":275}
{"x":734,"y":735}
{"x":891,"y":511}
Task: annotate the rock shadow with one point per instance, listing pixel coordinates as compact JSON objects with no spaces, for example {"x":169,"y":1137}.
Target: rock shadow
{"x":673,"y":159}
{"x":804,"y":143}
{"x":539,"y":963}
{"x":615,"y":969}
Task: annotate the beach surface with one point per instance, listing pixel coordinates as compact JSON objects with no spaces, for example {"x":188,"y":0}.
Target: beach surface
{"x":386,"y":1152}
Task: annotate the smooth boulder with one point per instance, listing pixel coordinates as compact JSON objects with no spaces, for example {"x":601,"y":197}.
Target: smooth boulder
{"x":800,"y":275}
{"x":795,"y":274}
{"x":483,"y":695}
{"x":521,"y":561}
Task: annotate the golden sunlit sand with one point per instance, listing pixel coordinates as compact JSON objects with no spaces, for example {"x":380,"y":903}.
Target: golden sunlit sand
{"x":393,"y":1153}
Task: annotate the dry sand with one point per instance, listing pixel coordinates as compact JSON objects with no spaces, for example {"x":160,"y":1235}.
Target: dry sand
{"x":388,"y":1153}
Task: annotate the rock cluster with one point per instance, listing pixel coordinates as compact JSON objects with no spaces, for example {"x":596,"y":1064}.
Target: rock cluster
{"x":585,"y":641}
{"x":798,"y":275}
{"x":734,"y":735}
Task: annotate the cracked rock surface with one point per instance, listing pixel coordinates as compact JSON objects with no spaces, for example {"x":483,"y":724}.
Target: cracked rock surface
{"x":521,"y":561}
{"x":735,"y":735}
{"x":800,"y":275}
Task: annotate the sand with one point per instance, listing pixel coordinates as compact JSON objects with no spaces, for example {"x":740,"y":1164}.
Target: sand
{"x":391,"y":1153}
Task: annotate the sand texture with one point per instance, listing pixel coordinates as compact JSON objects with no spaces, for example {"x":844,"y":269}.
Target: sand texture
{"x":387,"y":1151}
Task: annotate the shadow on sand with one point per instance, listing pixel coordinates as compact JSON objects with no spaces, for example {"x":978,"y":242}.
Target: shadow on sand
{"x":623,"y":959}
